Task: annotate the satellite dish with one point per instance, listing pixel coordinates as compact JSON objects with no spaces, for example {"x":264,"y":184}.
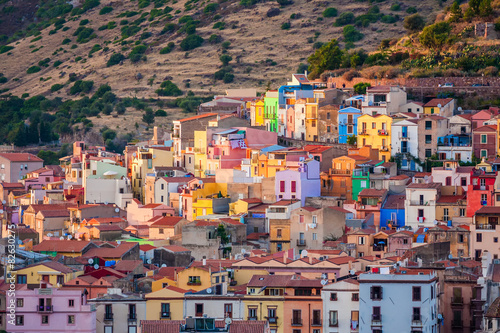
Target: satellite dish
{"x":61,"y":238}
{"x":91,"y":261}
{"x":311,"y":156}
{"x":352,"y":272}
{"x":1,"y":211}
{"x":163,"y":265}
{"x":228,"y":321}
{"x":450,"y":256}
{"x":243,"y":251}
{"x":304,"y":253}
{"x":117,"y":210}
{"x":134,"y":154}
{"x":96,"y":266}
{"x":19,"y":242}
{"x":200,"y":182}
{"x":439,"y":105}
{"x":4,"y":202}
{"x":105,"y":202}
{"x":118,"y":242}
{"x":69,"y":237}
{"x":435,"y":222}
{"x":149,"y":261}
{"x":324,"y":282}
{"x":324,"y":276}
{"x":459,"y":108}
{"x":209,"y":290}
{"x":49,"y":235}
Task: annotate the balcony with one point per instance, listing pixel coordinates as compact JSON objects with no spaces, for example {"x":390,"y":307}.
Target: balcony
{"x":363,"y":132}
{"x":272,"y":320}
{"x":194,"y":283}
{"x":132,"y":317}
{"x":340,"y":172}
{"x":457,"y":301}
{"x":108,"y":317}
{"x":296,"y":321}
{"x":209,"y":172}
{"x":164,"y":315}
{"x":416,"y":320}
{"x":383,"y":132}
{"x":377,"y":319}
{"x":317,"y":322}
{"x":252,"y":318}
{"x":422,"y":203}
{"x":485,"y":226}
{"x":301,"y":242}
{"x":379,"y":248}
{"x":404,"y":138}
{"x":384,"y":148}
{"x":45,"y":309}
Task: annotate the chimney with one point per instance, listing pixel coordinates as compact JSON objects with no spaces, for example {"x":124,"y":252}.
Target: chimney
{"x":175,"y":274}
{"x":204,"y":261}
{"x":284,"y":257}
{"x":310,"y":260}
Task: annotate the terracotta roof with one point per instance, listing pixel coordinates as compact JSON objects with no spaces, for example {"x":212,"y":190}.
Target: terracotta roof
{"x":151,"y":205}
{"x":494,"y":309}
{"x":146,"y":247}
{"x":259,"y":208}
{"x":340,"y":209}
{"x":198,"y":117}
{"x":395,"y":201}
{"x":436,"y":101}
{"x":168,"y":221}
{"x":486,"y":128}
{"x":425,"y":185}
{"x":371,"y":192}
{"x":173,"y":326}
{"x":316,"y":149}
{"x":399,"y":177}
{"x":170,"y":271}
{"x":488,"y":210}
{"x":55,"y":213}
{"x":465,"y":169}
{"x":282,"y":281}
{"x":106,"y":252}
{"x":446,"y":263}
{"x":11,"y":185}
{"x":229,"y":220}
{"x":252,"y":200}
{"x":21,"y":157}
{"x":52,"y":264}
{"x":341,"y":260}
{"x":177,"y":179}
{"x":309,"y":208}
{"x":467,"y":116}
{"x":107,"y":219}
{"x":284,"y":202}
{"x":422,"y":174}
{"x":470,"y":264}
{"x":127,"y":265}
{"x":203,"y":223}
{"x":39,"y":207}
{"x":108,"y":227}
{"x":61,"y":246}
{"x":177,"y":289}
{"x":176,"y":248}
{"x":450,"y":198}
{"x":257,"y":235}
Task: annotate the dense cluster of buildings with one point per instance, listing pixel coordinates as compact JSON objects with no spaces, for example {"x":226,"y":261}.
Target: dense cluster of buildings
{"x":306,"y":210}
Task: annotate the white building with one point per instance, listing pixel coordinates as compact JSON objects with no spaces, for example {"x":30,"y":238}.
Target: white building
{"x":404,"y":301}
{"x":413,"y":107}
{"x":460,"y":124}
{"x":383,"y":100}
{"x":420,"y":204}
{"x":214,"y":303}
{"x":341,"y":306}
{"x":166,"y":185}
{"x":404,"y":141}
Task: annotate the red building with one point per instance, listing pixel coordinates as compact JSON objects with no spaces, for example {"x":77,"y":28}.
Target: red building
{"x":484,"y":139}
{"x":481,"y":191}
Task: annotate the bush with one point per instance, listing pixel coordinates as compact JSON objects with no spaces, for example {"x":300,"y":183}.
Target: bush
{"x":389,"y":19}
{"x":284,"y":2}
{"x":33,"y":69}
{"x":169,"y":27}
{"x":56,"y":87}
{"x":248,"y":3}
{"x":214,"y":39}
{"x":191,"y":42}
{"x":286,"y":26}
{"x":414,"y":23}
{"x":168,"y":88}
{"x":330,"y":12}
{"x":120,"y":108}
{"x":219,"y":25}
{"x":395,"y":7}
{"x":348,"y":76}
{"x":360,"y":88}
{"x":3,"y":79}
{"x":105,"y":10}
{"x":228,"y":77}
{"x":160,"y":113}
{"x":84,"y":34}
{"x":115,"y":59}
{"x":210,"y":8}
{"x":351,"y":34}
{"x":94,"y":49}
{"x":5,"y":48}
{"x":81,"y":87}
{"x":225,"y":59}
{"x":344,"y":19}
{"x":225,"y":45}
{"x":411,"y":10}
{"x":129,"y":31}
{"x":435,"y":35}
{"x":170,"y":46}
{"x":66,"y":41}
{"x":84,"y":22}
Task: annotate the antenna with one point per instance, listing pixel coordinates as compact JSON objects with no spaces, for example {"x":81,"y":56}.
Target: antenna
{"x":200,"y":182}
{"x":459,"y":108}
{"x":450,"y":256}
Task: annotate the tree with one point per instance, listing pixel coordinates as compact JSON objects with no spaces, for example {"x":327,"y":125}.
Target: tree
{"x":148,"y":117}
{"x":485,"y":8}
{"x":352,"y":140}
{"x":221,"y":232}
{"x":327,"y":57}
{"x":360,"y":88}
{"x":414,"y":23}
{"x":225,"y":59}
{"x":474,"y":4}
{"x":456,"y":12}
{"x":435,"y":35}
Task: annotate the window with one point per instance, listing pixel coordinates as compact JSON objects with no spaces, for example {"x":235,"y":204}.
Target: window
{"x":194,"y":280}
{"x":416,"y":294}
{"x":198,"y":310}
{"x":361,"y":240}
{"x":333,"y":319}
{"x":495,"y":239}
{"x":484,"y":199}
{"x":315,"y":236}
{"x":162,"y":186}
{"x":333,"y":296}
{"x":271,"y":312}
{"x":279,"y":233}
{"x":45,"y":319}
{"x":165,"y":310}
{"x":445,"y":214}
{"x":71,"y":303}
{"x":21,"y":279}
{"x":463,"y":181}
{"x":376,"y":293}
{"x":316,"y":318}
{"x":131,"y":312}
{"x":20,"y":302}
{"x":294,"y":186}
{"x":19,"y":320}
{"x":313,"y":123}
{"x":416,"y":314}
{"x":328,"y":129}
{"x":108,"y":312}
{"x":428,"y":139}
{"x":460,"y":238}
{"x":355,"y":297}
{"x":296,"y":317}
{"x":428,"y":125}
{"x":479,"y":237}
{"x":428,"y":153}
{"x":349,"y":129}
{"x":484,"y":138}
{"x":252,"y":312}
{"x":71,"y":319}
{"x":282,"y":186}
{"x":462,"y":212}
{"x":484,"y":153}
{"x":160,"y":230}
{"x":376,"y":315}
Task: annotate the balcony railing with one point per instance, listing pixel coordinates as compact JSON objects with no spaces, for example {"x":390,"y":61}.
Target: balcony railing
{"x":404,"y":138}
{"x":457,"y":301}
{"x":383,"y":132}
{"x":317,"y":322}
{"x":416,"y":319}
{"x":132,"y":317}
{"x":378,"y":248}
{"x":485,"y":226}
{"x":252,"y":318}
{"x":296,"y":321}
{"x":422,"y":203}
{"x":194,"y":283}
{"x":363,"y":132}
{"x":272,"y":320}
{"x":301,"y":242}
{"x":108,"y":316}
{"x":165,"y":315}
{"x":45,"y":309}
{"x":376,"y":318}
{"x":340,"y":172}
{"x":384,"y":148}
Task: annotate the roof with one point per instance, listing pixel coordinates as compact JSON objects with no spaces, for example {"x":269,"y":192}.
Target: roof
{"x":422,"y":174}
{"x":340,"y":209}
{"x":176,"y":248}
{"x":399,"y":177}
{"x":371,"y":192}
{"x":282,"y":281}
{"x":61,"y":246}
{"x":284,"y":202}
{"x":252,"y":200}
{"x":146,"y":247}
{"x":11,"y":185}
{"x":436,"y":101}
{"x":52,"y":264}
{"x":165,"y":221}
{"x":488,"y":210}
{"x":177,"y":179}
{"x":496,"y":273}
{"x":114,"y":252}
{"x":205,"y":115}
{"x":127,"y":265}
{"x":20,"y":157}
{"x":109,"y":227}
{"x":309,"y":208}
{"x":170,"y":271}
{"x":395,"y":201}
{"x":494,"y":309}
{"x":425,"y":185}
{"x":173,"y":326}
{"x":55,"y":213}
{"x":380,"y":88}
{"x":450,"y":198}
{"x":256,"y":235}
{"x":486,"y":128}
{"x":316,"y":149}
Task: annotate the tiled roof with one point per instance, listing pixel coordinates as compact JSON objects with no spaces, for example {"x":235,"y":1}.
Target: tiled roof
{"x":176,"y":248}
{"x":494,"y":309}
{"x":340,"y":209}
{"x":40,"y":207}
{"x":371,"y":192}
{"x":399,"y":177}
{"x":198,"y":117}
{"x":170,"y":271}
{"x":436,"y":101}
{"x":422,"y":174}
{"x":52,"y":264}
{"x":488,"y":210}
{"x":257,"y":235}
{"x":21,"y":157}
{"x":106,"y":252}
{"x":316,"y":149}
{"x":151,"y":205}
{"x":252,"y":200}
{"x":109,"y":227}
{"x":61,"y":246}
{"x":395,"y":201}
{"x":11,"y":185}
{"x":169,"y":221}
{"x":173,"y":326}
{"x":425,"y":185}
{"x":127,"y":265}
{"x":465,"y":169}
{"x":486,"y":128}
{"x":450,"y":198}
{"x":341,"y":260}
{"x":55,"y":213}
{"x":309,"y":208}
{"x":146,"y":247}
{"x":282,"y":281}
{"x":107,"y":219}
{"x":284,"y":202}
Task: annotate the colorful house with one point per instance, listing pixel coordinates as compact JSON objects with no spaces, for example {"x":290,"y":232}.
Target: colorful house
{"x":385,"y":100}
{"x":298,"y":184}
{"x":165,"y":304}
{"x":271,"y":107}
{"x":440,"y":106}
{"x":481,"y":190}
{"x":375,"y":131}
{"x":50,"y":272}
{"x":348,"y":123}
{"x":404,"y":139}
{"x":257,"y":113}
{"x":203,"y":197}
{"x":484,"y":141}
{"x":392,"y":212}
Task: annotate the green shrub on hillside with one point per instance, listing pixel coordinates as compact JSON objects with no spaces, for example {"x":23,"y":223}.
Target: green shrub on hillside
{"x":56,"y":87}
{"x":105,"y":10}
{"x":191,"y":42}
{"x":168,"y":88}
{"x":435,"y":35}
{"x":81,"y":86}
{"x":330,"y":12}
{"x":210,"y":8}
{"x":33,"y":69}
{"x":115,"y":59}
{"x":170,"y":46}
{"x":344,"y":19}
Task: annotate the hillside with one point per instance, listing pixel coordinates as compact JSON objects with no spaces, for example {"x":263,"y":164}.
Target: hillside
{"x":260,"y":49}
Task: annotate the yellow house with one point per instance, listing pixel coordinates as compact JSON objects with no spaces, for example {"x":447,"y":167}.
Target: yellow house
{"x":162,"y":283}
{"x":375,"y":131}
{"x":143,"y":162}
{"x":257,"y":113}
{"x":67,"y":248}
{"x":197,"y":200}
{"x":279,"y":235}
{"x":166,"y":303}
{"x":311,"y":115}
{"x":200,"y":153}
{"x":50,"y":271}
{"x":201,"y":277}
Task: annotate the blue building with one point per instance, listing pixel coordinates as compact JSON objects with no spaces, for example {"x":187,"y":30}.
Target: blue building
{"x":393,"y":211}
{"x":348,"y":123}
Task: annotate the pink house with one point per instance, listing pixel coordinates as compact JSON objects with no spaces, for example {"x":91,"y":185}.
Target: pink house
{"x":41,"y":177}
{"x":290,"y":122}
{"x":478,"y":119}
{"x":139,"y":214}
{"x":47,"y":309}
{"x":298,"y":184}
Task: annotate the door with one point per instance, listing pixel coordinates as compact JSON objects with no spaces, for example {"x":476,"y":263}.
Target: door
{"x":228,"y":310}
{"x":404,"y":131}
